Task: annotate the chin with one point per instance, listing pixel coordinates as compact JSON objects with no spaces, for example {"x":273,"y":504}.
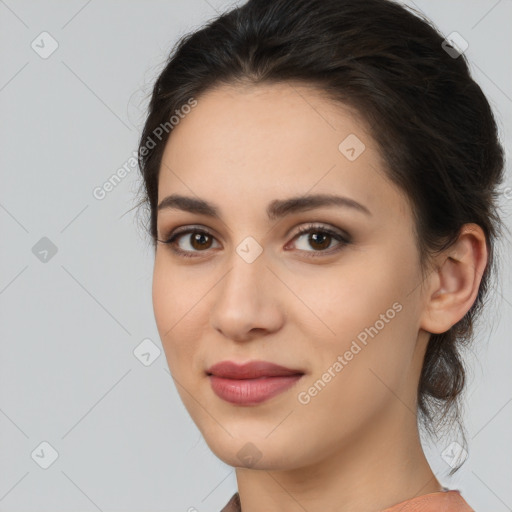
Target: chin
{"x":255,"y":452}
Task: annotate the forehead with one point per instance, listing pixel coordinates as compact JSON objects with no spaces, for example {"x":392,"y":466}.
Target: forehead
{"x":274,"y":140}
{"x":272,"y":121}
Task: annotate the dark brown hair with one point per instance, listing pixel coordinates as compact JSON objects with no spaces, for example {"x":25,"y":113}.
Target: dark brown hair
{"x":433,"y":125}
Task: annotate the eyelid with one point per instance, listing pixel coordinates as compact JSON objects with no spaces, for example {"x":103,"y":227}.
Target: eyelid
{"x":186,"y":229}
{"x":321,"y":227}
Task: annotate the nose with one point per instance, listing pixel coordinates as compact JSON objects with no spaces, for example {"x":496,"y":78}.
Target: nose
{"x":248,"y":303}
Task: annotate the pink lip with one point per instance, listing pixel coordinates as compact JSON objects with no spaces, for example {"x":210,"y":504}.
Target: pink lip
{"x":250,"y":383}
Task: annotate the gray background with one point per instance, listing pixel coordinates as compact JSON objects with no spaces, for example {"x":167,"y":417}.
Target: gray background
{"x":69,"y":325}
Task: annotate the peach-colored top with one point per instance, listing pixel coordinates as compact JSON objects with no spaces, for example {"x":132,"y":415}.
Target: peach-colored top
{"x":442,"y":501}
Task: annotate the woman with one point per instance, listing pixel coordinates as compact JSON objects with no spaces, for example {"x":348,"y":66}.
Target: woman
{"x":320,"y":177}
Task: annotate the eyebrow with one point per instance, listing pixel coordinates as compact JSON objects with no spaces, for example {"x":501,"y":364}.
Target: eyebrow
{"x":276,"y":209}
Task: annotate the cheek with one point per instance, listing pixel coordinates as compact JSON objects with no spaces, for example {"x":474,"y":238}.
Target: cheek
{"x":164,"y":298}
{"x":175,"y":291}
{"x":361,"y":369}
{"x":177,"y":311}
{"x":347,"y":298}
{"x":367,"y":304}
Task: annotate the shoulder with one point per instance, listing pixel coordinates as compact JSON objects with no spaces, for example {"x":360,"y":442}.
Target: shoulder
{"x":442,"y":501}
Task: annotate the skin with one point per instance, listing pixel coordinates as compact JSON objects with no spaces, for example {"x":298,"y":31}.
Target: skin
{"x":355,"y":445}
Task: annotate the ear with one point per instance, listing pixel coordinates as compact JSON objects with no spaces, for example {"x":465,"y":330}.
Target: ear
{"x":453,"y":286}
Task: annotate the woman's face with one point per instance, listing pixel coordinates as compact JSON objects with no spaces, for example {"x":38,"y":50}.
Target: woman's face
{"x":345,"y":311}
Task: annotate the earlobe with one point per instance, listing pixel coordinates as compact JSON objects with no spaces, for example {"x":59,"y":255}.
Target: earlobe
{"x":453,"y":286}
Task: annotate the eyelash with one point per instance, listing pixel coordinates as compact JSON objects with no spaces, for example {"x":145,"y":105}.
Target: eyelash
{"x":310,"y":228}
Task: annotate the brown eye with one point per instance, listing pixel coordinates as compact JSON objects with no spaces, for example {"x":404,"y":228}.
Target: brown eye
{"x":197,"y":240}
{"x":320,"y":239}
{"x":200,"y":241}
